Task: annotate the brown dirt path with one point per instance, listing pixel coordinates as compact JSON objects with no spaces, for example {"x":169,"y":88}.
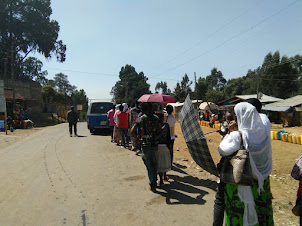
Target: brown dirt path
{"x":284,"y":187}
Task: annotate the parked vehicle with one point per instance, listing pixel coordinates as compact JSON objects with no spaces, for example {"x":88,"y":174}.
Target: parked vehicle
{"x":97,"y":115}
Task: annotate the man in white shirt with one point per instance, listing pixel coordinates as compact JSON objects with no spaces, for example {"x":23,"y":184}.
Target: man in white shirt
{"x":171,"y":121}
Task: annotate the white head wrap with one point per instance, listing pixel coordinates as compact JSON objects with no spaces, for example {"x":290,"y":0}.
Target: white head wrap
{"x":125,"y":107}
{"x":117,"y":110}
{"x":255,"y":131}
{"x":256,"y":140}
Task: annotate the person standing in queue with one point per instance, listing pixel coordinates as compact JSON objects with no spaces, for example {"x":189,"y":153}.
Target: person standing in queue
{"x":72,"y":118}
{"x":150,"y":127}
{"x":110,"y":116}
{"x":171,"y":121}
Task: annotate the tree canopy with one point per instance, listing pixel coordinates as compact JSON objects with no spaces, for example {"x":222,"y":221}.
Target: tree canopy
{"x":79,"y":98}
{"x":163,"y":87}
{"x":182,"y":89}
{"x":25,"y":27}
{"x":131,"y":86}
{"x":62,"y":84}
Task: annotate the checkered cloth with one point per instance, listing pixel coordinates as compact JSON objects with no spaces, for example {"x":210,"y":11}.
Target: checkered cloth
{"x":195,"y":139}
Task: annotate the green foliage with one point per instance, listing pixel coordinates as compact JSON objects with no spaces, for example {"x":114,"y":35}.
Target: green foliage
{"x":131,"y":86}
{"x":235,"y":86}
{"x":214,"y":96}
{"x":61,"y":98}
{"x":80,"y":98}
{"x":201,"y":88}
{"x":62,"y":84}
{"x":163,"y":87}
{"x":48,"y":94}
{"x":25,"y":27}
{"x":215,"y":80}
{"x":183,"y":89}
{"x":31,"y":69}
{"x":278,"y":76}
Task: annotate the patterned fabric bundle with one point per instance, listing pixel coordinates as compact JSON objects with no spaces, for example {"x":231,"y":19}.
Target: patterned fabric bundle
{"x":195,"y":139}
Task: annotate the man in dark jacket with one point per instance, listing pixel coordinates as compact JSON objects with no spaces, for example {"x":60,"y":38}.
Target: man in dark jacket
{"x":72,"y":119}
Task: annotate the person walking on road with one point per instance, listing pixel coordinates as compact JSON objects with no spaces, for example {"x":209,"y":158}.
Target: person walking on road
{"x":150,"y":127}
{"x":171,"y":121}
{"x":72,"y":118}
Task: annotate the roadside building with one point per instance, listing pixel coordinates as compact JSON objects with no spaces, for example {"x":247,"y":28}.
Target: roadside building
{"x":287,"y":112}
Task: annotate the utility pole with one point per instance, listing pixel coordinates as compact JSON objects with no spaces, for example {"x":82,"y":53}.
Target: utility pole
{"x":195,"y":87}
{"x":13,"y":81}
{"x":258,"y":86}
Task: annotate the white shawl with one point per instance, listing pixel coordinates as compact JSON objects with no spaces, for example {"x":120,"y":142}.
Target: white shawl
{"x":256,"y":139}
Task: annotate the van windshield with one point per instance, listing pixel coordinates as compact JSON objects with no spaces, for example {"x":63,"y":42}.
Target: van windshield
{"x":100,"y":108}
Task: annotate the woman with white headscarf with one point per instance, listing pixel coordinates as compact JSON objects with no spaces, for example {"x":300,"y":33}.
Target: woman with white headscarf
{"x":249,"y":205}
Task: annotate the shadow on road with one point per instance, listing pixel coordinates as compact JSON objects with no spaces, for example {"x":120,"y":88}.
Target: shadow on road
{"x":184,"y":190}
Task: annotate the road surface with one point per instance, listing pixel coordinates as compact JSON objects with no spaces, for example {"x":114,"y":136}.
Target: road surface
{"x":50,"y":178}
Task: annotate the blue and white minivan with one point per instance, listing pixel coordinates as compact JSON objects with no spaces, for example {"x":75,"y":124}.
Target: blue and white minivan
{"x":97,"y":115}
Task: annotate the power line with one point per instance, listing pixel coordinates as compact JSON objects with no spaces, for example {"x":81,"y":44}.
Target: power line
{"x":83,"y":72}
{"x":156,"y":78}
{"x":230,"y":39}
{"x":212,"y":34}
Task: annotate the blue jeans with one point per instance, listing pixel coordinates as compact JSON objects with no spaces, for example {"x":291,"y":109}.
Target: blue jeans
{"x":150,"y":161}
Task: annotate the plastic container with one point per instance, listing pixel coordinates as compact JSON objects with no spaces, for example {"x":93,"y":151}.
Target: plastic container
{"x":290,"y":138}
{"x":272,"y":135}
{"x":279,"y":134}
{"x":294,"y":138}
{"x":275,"y":135}
{"x":298,"y":139}
{"x":284,"y":137}
{"x":12,"y":129}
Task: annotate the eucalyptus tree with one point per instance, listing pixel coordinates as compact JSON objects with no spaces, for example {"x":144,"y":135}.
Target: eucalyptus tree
{"x":130,"y":86}
{"x":26,"y":27}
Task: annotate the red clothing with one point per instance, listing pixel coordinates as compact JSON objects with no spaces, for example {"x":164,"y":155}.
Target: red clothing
{"x":122,"y":119}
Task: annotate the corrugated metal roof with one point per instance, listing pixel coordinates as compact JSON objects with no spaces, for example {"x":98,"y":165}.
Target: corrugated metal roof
{"x":290,"y":102}
{"x":279,"y":109}
{"x":263,"y":99}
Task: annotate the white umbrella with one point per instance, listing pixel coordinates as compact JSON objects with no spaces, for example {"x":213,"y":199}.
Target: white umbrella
{"x":208,"y":106}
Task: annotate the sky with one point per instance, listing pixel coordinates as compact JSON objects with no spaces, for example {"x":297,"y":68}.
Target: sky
{"x":166,"y":39}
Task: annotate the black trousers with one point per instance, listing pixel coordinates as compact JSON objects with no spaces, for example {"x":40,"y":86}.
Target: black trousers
{"x":219,"y":205}
{"x":74,"y":127}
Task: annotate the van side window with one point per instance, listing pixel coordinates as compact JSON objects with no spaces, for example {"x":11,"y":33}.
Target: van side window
{"x":100,"y":108}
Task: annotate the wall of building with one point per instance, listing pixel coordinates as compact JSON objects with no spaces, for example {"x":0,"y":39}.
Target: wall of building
{"x":31,"y":90}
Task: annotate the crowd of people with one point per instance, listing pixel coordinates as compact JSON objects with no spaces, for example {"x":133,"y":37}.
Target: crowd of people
{"x":152,"y":135}
{"x":146,"y":132}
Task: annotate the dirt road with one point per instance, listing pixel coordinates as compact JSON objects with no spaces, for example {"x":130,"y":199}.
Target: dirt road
{"x":49,"y":178}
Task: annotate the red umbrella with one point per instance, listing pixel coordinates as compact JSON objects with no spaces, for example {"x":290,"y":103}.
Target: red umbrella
{"x":159,"y":98}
